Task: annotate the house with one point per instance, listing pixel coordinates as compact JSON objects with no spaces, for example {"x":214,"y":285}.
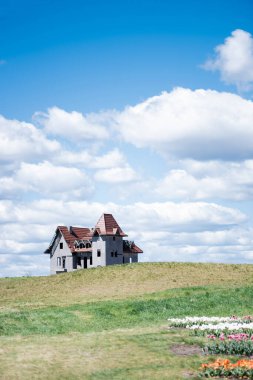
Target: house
{"x":80,"y":247}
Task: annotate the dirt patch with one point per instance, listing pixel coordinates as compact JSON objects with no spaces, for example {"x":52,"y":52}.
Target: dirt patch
{"x":186,"y":350}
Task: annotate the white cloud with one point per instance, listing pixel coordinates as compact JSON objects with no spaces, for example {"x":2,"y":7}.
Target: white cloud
{"x":163,"y":215}
{"x":116,"y":175}
{"x":201,"y":124}
{"x":202,"y":180}
{"x":23,"y":265}
{"x":113,"y":166}
{"x":234,"y":60}
{"x":86,"y":159}
{"x":191,"y":216}
{"x":71,"y":125}
{"x":113,"y":158}
{"x":21,"y":141}
{"x":189,"y":253}
{"x":21,"y":232}
{"x":166,"y":231}
{"x":47,"y":179}
{"x":44,"y":184}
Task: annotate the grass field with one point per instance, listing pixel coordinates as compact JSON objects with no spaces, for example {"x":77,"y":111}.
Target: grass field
{"x":111,"y":323}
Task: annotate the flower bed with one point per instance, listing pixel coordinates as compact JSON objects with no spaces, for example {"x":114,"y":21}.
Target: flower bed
{"x":242,"y":369}
{"x":188,"y":322}
{"x":226,"y":336}
{"x":233,"y":344}
{"x":227,"y":328}
{"x":229,"y":347}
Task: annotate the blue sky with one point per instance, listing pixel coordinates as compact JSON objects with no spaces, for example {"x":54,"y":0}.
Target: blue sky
{"x":91,"y":55}
{"x":142,"y":109}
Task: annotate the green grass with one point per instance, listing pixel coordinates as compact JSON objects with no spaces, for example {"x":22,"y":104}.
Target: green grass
{"x":117,"y":282}
{"x":109,"y":315}
{"x":76,"y":326}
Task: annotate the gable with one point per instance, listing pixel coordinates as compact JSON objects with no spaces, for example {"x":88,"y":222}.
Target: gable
{"x":108,"y":226}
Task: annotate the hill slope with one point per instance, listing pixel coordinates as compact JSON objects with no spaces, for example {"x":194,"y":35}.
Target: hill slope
{"x":118,"y":282}
{"x":111,"y":323}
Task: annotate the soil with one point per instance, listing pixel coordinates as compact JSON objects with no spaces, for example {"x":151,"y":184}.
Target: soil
{"x":186,"y":350}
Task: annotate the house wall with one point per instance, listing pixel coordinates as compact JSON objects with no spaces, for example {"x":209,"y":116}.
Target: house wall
{"x":98,"y":243}
{"x":130,"y":258}
{"x":79,"y":260}
{"x":62,"y":253}
{"x":113,"y":246}
{"x":106,"y":245}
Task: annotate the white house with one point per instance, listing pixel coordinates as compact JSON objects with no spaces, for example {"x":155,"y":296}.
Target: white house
{"x":80,"y":248}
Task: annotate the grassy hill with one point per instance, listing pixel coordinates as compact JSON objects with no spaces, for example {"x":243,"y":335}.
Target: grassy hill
{"x":110,"y":323}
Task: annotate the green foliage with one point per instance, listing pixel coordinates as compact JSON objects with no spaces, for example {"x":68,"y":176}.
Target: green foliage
{"x":221,"y":368}
{"x":230,"y":347}
{"x":109,"y":315}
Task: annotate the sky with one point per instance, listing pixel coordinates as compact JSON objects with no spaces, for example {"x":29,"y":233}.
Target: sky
{"x":142,"y":109}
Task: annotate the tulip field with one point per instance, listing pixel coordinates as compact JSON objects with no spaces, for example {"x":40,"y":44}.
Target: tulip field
{"x":231,"y":336}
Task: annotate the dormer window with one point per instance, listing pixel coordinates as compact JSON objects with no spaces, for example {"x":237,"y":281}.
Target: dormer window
{"x":61,"y":245}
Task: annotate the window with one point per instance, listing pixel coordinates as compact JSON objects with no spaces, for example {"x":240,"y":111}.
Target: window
{"x":79,"y":261}
{"x":98,"y":253}
{"x":116,"y":254}
{"x":91,"y":260}
{"x":61,"y":245}
{"x":58,"y":261}
{"x":112,"y":254}
{"x":114,"y":238}
{"x":63,"y":262}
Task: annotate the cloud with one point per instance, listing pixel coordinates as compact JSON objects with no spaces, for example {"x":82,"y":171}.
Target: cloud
{"x":116,"y":175}
{"x":112,"y":166}
{"x":21,"y":141}
{"x":204,"y":143}
{"x":23,"y":265}
{"x":113,"y":158}
{"x":164,"y":215}
{"x":48,"y":180}
{"x":164,"y":230}
{"x":202,"y":180}
{"x":201,"y":125}
{"x":184,"y":216}
{"x":234,"y":60}
{"x":73,"y":126}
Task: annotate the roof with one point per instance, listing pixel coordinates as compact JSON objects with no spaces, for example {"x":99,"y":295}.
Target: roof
{"x":71,"y":235}
{"x":130,"y":247}
{"x":81,"y":232}
{"x":107,"y":225}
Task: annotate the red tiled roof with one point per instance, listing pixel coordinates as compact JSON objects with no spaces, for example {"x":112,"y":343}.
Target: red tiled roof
{"x":131,"y":248}
{"x":73,"y":234}
{"x":81,"y":232}
{"x":107,"y":225}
